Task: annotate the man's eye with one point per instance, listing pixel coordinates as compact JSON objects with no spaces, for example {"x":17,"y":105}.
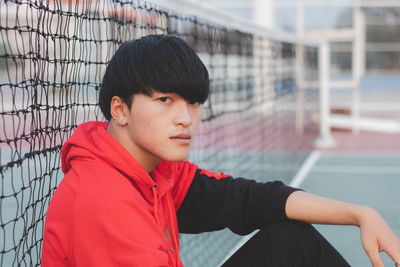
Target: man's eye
{"x":164,"y":99}
{"x":196,"y":104}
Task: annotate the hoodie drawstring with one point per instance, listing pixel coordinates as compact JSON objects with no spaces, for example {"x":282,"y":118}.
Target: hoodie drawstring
{"x":154,"y":189}
{"x":171,"y":214}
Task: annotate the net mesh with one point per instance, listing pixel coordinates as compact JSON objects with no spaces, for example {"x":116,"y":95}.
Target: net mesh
{"x":258,"y":123}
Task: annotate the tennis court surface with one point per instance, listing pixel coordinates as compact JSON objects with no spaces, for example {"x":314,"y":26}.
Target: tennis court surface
{"x":364,"y":169}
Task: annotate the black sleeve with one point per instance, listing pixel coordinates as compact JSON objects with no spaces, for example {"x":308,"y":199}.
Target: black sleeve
{"x":242,"y":205}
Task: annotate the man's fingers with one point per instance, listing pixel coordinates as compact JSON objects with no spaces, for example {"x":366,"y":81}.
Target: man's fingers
{"x":393,"y":250}
{"x":391,"y":245}
{"x":394,"y":254}
{"x":375,"y":259}
{"x":372,"y":249}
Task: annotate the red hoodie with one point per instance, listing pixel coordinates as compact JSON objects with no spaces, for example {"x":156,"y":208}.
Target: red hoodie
{"x":108,"y":211}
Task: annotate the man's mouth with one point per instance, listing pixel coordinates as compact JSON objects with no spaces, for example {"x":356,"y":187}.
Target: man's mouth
{"x":182,"y":138}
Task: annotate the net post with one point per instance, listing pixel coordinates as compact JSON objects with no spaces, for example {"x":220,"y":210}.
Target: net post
{"x":299,"y":69}
{"x":358,"y":65}
{"x":325,"y":139}
{"x":300,"y":88}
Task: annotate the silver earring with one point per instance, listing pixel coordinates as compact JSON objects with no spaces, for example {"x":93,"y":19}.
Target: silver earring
{"x":117,"y":123}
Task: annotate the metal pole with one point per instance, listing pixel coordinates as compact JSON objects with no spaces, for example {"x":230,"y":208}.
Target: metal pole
{"x":325,"y":139}
{"x":299,"y":69}
{"x":357,"y":65}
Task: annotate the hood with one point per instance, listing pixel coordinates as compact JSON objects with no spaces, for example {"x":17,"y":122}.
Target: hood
{"x":91,"y":141}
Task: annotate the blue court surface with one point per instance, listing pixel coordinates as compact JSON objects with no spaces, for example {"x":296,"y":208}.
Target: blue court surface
{"x":370,"y":179}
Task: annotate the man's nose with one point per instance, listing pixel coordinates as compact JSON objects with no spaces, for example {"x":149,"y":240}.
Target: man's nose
{"x":183,"y":116}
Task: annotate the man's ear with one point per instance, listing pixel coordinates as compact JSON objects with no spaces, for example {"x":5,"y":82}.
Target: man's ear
{"x":118,"y":110}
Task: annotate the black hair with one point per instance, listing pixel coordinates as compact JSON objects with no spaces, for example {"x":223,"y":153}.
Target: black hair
{"x":161,"y":63}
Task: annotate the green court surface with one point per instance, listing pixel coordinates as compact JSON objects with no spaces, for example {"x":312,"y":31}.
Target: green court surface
{"x":369,"y":179}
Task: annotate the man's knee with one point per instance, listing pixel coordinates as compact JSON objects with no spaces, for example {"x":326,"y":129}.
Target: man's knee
{"x":290,"y":243}
{"x":299,"y":243}
{"x":293,"y":232}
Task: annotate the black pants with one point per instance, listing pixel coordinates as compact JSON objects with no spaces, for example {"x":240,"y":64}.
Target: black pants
{"x":287,"y":244}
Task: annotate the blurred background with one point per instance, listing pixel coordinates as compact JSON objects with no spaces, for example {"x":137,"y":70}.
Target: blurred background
{"x":364,"y":37}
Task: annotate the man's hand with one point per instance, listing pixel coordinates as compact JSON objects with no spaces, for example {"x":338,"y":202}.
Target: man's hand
{"x":376,"y":235}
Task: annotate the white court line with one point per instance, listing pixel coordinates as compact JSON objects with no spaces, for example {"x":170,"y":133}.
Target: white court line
{"x":296,"y":182}
{"x":305,"y":169}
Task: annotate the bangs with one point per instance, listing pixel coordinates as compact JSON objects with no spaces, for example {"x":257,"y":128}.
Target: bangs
{"x":169,"y":65}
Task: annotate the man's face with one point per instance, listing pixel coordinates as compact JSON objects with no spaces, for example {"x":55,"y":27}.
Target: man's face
{"x":162,"y":127}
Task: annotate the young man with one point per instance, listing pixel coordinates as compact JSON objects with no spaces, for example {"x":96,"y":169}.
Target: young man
{"x":128,"y":191}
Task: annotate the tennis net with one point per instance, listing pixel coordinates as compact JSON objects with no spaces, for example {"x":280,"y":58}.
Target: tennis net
{"x":258,"y":123}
